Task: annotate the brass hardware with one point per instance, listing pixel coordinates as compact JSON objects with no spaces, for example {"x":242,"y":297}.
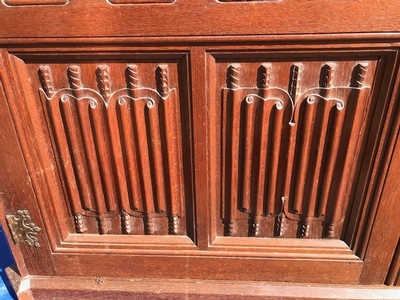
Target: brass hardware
{"x":22,"y":229}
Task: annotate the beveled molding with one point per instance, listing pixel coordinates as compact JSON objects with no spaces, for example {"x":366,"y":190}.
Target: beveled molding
{"x":120,"y":288}
{"x":34,"y":2}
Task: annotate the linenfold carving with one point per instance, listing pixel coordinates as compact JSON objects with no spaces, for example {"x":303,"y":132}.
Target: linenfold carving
{"x":112,"y":147}
{"x":276,"y":137}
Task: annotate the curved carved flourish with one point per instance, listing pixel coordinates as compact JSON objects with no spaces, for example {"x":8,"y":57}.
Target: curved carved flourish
{"x":124,"y":140}
{"x":259,"y":150}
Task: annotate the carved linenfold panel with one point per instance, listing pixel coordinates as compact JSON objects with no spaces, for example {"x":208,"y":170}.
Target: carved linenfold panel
{"x":34,"y":2}
{"x":119,"y":147}
{"x":289,"y":143}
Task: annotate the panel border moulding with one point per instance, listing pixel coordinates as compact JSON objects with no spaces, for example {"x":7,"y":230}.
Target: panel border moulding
{"x":47,"y":183}
{"x":366,"y":189}
{"x":34,"y":2}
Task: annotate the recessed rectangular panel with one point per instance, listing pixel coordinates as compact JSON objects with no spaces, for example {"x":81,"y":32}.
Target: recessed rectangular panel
{"x":118,"y":136}
{"x":289,"y":131}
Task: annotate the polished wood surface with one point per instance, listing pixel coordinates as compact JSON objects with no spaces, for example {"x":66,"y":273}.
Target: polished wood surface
{"x":203,"y":140}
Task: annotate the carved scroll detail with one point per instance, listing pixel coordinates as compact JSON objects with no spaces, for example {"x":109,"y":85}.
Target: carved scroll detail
{"x":124,"y":140}
{"x":260,"y":150}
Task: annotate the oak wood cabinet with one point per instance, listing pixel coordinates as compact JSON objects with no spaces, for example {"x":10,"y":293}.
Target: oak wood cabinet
{"x":201,"y":148}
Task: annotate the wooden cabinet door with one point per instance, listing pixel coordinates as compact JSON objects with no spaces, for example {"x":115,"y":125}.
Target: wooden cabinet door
{"x":148,"y":146}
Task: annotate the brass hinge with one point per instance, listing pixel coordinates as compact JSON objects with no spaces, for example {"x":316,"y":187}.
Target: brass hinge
{"x":23,"y":229}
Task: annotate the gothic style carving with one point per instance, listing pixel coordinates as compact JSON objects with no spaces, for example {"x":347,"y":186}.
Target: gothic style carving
{"x":119,"y":148}
{"x":23,"y":229}
{"x":284,"y":144}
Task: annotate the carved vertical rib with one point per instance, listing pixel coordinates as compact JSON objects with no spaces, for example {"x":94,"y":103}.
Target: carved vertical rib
{"x":157,"y":157}
{"x":303,"y":152}
{"x":129,"y":140}
{"x":294,"y":90}
{"x":169,"y":108}
{"x":68,"y":110}
{"x":262,"y":174}
{"x":103,"y":141}
{"x":355,"y":96}
{"x":263,"y":160}
{"x":143,"y":156}
{"x":74,"y":77}
{"x":53,"y":106}
{"x":104,"y":155}
{"x":248,"y":152}
{"x":276,"y":134}
{"x":234,"y":102}
{"x":331,"y":156}
{"x":322,"y":121}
